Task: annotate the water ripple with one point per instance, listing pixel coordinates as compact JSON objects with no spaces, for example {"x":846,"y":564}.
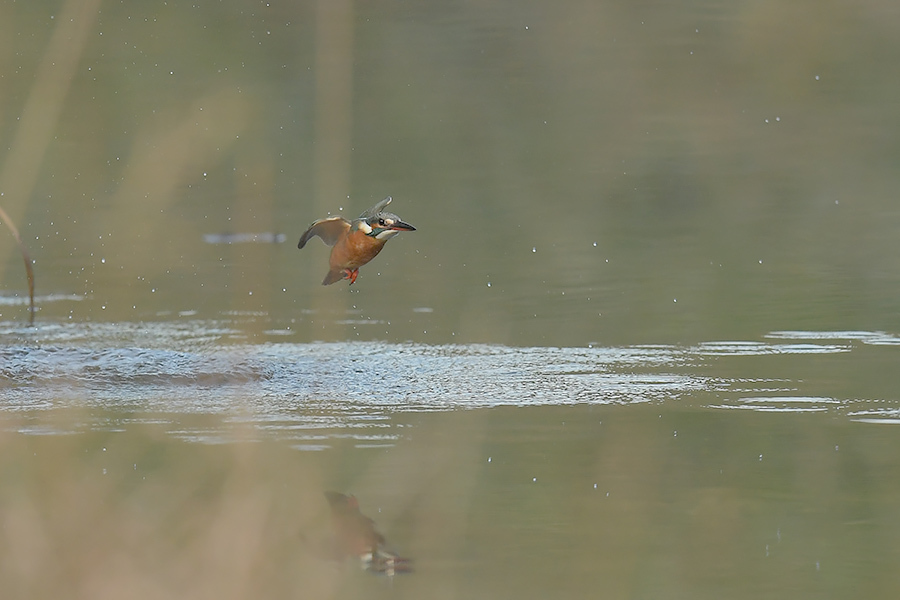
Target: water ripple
{"x":304,"y":391}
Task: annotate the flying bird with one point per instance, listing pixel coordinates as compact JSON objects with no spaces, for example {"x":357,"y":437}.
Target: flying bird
{"x":356,"y":242}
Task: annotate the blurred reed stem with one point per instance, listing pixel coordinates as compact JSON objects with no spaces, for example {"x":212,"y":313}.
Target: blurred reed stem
{"x":29,"y":271}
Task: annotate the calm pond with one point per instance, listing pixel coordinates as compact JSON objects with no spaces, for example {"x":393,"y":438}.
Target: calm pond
{"x":642,"y":343}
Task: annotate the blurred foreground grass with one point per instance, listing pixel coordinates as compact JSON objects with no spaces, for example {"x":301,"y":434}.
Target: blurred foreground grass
{"x":636,"y":501}
{"x":138,"y":514}
{"x":140,"y":509}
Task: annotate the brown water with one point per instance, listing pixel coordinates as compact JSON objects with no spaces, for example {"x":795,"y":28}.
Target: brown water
{"x":642,"y":343}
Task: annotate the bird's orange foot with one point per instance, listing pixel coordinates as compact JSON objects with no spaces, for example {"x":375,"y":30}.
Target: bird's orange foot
{"x":351,"y":274}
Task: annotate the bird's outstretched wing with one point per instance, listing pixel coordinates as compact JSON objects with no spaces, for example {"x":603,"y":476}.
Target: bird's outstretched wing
{"x":329,"y":230}
{"x":376,"y":209}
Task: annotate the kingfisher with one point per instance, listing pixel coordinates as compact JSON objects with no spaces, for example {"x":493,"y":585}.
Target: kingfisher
{"x":354,"y":243}
{"x":355,"y":536}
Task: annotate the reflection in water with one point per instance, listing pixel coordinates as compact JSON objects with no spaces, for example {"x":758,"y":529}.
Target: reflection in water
{"x":354,"y":535}
{"x":531,"y":472}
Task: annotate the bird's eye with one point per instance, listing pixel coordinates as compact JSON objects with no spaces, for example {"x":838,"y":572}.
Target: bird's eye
{"x":381,"y":221}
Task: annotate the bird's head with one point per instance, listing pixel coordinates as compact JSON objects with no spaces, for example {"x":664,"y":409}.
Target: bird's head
{"x":380,"y":224}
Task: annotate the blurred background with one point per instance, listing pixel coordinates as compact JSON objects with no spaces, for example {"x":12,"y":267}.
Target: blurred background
{"x":581,"y":175}
{"x":613,"y":173}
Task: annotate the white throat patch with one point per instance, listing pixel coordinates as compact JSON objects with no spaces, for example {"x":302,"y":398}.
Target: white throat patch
{"x":386,"y":234}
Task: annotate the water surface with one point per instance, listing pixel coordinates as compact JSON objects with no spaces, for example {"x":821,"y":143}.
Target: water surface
{"x":738,"y":467}
{"x":642,"y":343}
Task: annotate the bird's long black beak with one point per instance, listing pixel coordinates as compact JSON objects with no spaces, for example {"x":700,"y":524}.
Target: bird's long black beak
{"x":401,"y":226}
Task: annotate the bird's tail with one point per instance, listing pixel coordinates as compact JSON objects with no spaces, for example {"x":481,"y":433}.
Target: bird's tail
{"x":334,"y":276}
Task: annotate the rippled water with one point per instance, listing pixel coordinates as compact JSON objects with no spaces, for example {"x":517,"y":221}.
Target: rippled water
{"x":499,"y":470}
{"x":643,"y":343}
{"x":302,"y":391}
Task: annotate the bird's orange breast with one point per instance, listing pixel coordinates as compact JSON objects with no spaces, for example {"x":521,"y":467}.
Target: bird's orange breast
{"x":354,"y":250}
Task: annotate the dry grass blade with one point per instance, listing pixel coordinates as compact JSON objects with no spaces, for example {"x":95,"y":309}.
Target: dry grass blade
{"x":40,"y":114}
{"x":29,"y":271}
